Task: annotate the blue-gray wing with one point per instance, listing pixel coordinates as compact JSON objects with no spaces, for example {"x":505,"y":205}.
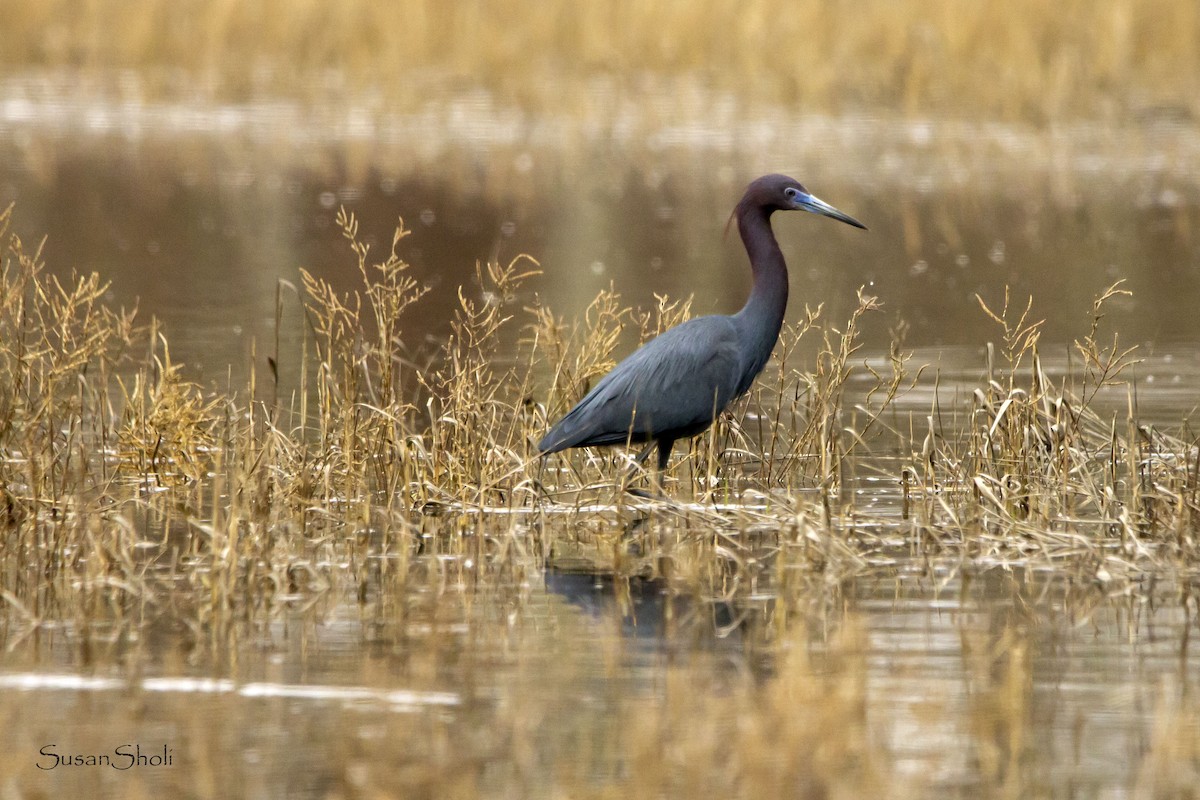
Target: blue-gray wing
{"x":676,"y":383}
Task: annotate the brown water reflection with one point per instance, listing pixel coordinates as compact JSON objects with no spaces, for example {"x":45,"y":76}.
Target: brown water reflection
{"x":201,"y":229}
{"x":999,"y":681}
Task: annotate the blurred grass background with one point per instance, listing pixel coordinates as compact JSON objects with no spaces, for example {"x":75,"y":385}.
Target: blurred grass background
{"x":1022,"y":60}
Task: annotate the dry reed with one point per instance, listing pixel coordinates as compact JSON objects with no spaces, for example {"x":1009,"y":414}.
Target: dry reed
{"x":98,"y":424}
{"x":1112,"y":60}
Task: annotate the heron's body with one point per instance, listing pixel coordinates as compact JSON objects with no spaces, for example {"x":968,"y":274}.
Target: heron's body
{"x":676,"y":384}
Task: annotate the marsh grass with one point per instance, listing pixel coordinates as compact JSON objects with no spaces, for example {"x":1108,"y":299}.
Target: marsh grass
{"x":1111,"y":59}
{"x":132,"y":499}
{"x":98,"y":422}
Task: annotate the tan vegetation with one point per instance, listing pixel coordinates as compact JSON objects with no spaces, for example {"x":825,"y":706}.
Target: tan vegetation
{"x":1030,"y":61}
{"x":95,"y":420}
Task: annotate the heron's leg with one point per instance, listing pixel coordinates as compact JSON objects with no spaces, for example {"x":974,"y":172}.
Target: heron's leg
{"x":664,"y":454}
{"x":537,"y":481}
{"x":664,"y":457}
{"x":638,"y":460}
{"x":541,"y":490}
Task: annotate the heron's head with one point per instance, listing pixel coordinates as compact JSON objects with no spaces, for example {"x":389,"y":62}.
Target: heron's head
{"x":781,"y":193}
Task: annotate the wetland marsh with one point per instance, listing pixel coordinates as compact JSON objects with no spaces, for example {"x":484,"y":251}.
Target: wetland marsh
{"x":285,"y":525}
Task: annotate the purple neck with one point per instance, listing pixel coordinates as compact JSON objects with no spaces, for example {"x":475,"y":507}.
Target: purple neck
{"x":760,"y":319}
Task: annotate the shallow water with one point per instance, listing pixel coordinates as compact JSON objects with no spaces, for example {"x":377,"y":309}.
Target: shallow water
{"x":196,"y":213}
{"x":310,"y":707}
{"x":1005,"y":682}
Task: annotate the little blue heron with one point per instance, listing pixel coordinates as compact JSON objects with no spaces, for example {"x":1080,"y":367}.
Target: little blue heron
{"x":676,"y":384}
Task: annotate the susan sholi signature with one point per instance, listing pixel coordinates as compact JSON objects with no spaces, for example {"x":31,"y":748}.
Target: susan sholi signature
{"x":126,"y":756}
